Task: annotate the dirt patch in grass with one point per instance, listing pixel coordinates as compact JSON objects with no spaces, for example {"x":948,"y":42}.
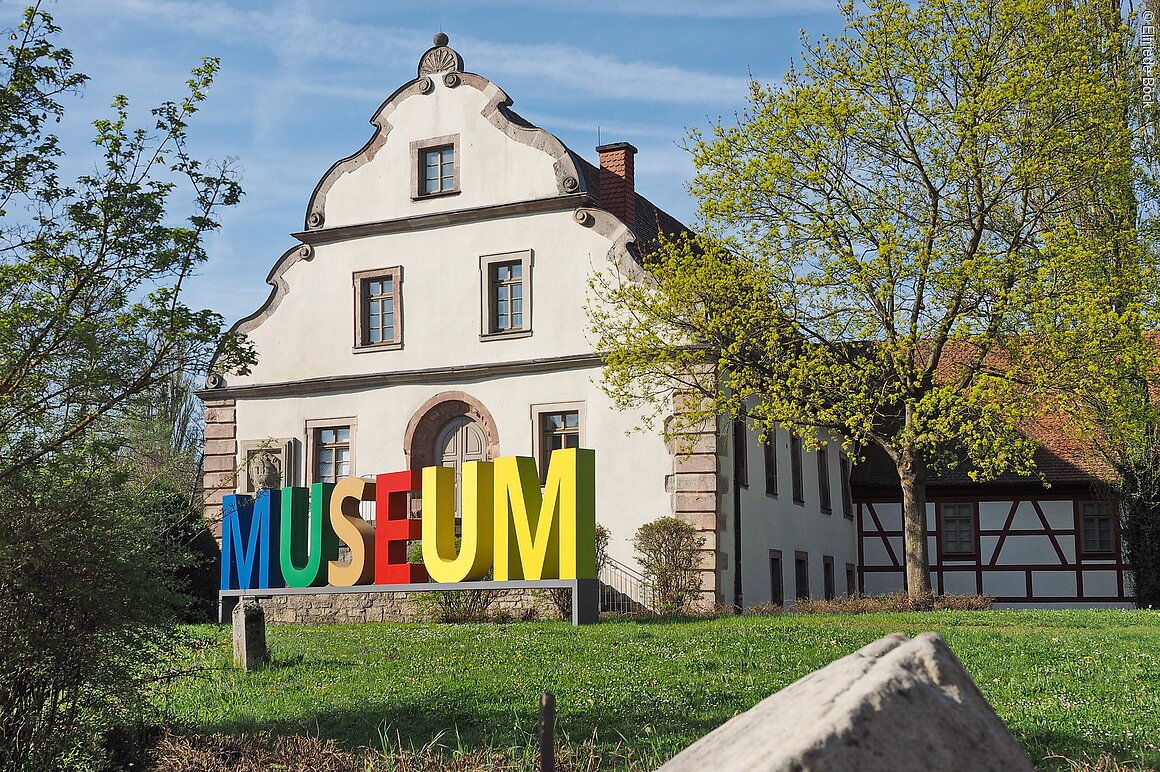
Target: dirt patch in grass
{"x":259,"y":752}
{"x":893,"y":602}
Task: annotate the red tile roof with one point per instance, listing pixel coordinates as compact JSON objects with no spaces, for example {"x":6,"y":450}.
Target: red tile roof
{"x":651,"y":220}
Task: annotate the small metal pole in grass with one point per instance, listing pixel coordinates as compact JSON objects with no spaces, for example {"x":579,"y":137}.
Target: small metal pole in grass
{"x":548,"y":732}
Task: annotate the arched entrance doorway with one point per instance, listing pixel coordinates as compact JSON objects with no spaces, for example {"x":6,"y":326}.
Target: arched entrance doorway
{"x":450,"y":429}
{"x":460,"y":440}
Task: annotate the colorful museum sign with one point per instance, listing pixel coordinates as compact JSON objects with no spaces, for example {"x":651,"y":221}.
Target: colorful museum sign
{"x":508,"y":526}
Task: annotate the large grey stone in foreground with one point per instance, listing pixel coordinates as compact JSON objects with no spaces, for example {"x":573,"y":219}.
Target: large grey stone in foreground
{"x":897,"y":704}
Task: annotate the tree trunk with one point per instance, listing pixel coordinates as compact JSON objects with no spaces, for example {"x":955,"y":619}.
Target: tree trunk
{"x":912,"y":474}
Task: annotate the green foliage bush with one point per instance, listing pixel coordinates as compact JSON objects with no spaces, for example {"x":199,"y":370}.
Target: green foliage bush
{"x":668,"y":553}
{"x":1138,"y":494}
{"x":451,"y":605}
{"x":455,"y":605}
{"x":86,"y":600}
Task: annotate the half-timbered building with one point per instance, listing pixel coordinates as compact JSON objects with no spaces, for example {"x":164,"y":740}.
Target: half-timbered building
{"x":1049,"y":540}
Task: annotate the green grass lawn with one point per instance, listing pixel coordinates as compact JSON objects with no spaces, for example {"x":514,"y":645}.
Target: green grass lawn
{"x":1071,"y":683}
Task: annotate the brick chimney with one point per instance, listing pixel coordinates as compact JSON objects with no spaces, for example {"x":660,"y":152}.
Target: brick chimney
{"x":617,"y":181}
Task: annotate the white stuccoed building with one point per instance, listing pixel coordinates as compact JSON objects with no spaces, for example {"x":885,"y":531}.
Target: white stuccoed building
{"x":432,"y":312}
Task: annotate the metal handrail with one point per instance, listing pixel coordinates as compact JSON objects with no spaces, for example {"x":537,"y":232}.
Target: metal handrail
{"x":624,"y":589}
{"x":617,"y":565}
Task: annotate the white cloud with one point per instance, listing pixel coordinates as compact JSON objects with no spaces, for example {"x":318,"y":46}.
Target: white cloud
{"x":606,"y":76}
{"x":610,"y":131}
{"x":699,"y":9}
{"x":302,"y":40}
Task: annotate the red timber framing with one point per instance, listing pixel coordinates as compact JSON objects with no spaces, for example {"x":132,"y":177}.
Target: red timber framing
{"x":871,"y":530}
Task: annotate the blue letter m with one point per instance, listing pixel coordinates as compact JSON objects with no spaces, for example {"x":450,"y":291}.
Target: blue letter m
{"x":249,"y":536}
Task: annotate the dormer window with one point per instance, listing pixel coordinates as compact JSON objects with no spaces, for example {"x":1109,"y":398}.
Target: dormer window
{"x":436,"y":164}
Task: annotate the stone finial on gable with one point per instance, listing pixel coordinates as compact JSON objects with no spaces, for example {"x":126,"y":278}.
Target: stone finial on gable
{"x":440,"y":58}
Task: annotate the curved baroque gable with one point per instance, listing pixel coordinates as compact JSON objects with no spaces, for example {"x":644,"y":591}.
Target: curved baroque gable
{"x":215,"y":379}
{"x":445,"y":63}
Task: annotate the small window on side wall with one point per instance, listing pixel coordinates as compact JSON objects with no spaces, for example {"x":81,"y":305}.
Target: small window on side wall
{"x":776,"y":588}
{"x":378,"y":309}
{"x":1097,"y":528}
{"x":506,"y":296}
{"x":769,"y":451}
{"x":957,"y":525}
{"x":556,"y":426}
{"x":436,"y":163}
{"x":795,"y":462}
{"x":801,"y":575}
{"x":331,"y":449}
{"x":824,"y":499}
{"x":828,"y":590}
{"x":847,"y":494}
{"x":740,"y":451}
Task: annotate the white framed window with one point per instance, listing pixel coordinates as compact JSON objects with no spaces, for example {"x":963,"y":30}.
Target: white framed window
{"x":556,"y":426}
{"x":378,"y":309}
{"x":957,"y":529}
{"x":436,"y":164}
{"x":330,"y":449}
{"x":506,"y":295}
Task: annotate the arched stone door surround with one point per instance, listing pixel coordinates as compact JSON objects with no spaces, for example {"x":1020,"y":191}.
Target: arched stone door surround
{"x":434,"y":415}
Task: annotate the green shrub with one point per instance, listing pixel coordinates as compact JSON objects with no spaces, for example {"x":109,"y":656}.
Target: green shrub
{"x":87,"y":593}
{"x":451,"y":605}
{"x":668,"y":551}
{"x":455,"y":605}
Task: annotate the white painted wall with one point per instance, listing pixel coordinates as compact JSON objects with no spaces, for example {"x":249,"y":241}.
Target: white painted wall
{"x":311,"y":334}
{"x":776,"y":522}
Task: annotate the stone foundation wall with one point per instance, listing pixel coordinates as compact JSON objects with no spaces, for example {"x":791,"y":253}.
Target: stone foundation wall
{"x":349,"y":608}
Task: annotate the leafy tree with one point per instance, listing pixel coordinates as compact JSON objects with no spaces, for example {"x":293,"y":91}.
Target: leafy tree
{"x":92,"y":331}
{"x":162,"y":449}
{"x":894,"y":245}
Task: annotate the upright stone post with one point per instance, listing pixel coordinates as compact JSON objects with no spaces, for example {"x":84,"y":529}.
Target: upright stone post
{"x":249,"y":634}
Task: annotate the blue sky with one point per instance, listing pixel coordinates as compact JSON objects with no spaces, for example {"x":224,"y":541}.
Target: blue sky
{"x":299,"y":81}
